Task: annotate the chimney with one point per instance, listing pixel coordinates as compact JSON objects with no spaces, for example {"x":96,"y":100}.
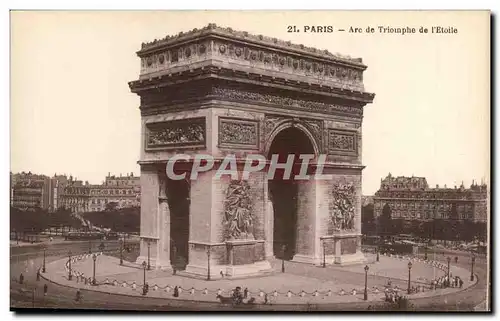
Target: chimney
{"x":444,"y":185}
{"x":437,"y":185}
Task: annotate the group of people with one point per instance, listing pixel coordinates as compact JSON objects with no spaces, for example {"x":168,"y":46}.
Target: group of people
{"x":392,"y":296}
{"x":238,"y":295}
{"x":446,"y":282}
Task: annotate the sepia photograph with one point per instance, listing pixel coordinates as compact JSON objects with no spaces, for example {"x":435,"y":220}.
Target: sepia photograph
{"x":250,"y":161}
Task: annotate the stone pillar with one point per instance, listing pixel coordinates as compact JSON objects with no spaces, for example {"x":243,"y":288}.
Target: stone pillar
{"x":307,"y":237}
{"x":149,"y":212}
{"x":268,"y":221}
{"x":201,"y":228}
{"x":207,"y":231}
{"x":163,"y":248}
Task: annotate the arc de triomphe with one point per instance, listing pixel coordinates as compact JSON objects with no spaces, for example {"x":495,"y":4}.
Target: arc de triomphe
{"x":218,"y":91}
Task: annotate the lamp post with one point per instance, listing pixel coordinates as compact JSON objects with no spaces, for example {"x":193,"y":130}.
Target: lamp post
{"x":378,"y":254}
{"x":121,"y":250}
{"x":425,"y":253}
{"x":448,"y":259}
{"x":472,"y":267}
{"x":174,"y":265}
{"x":149,"y":253}
{"x":44,"y":254}
{"x":283,"y":248}
{"x":70,"y":276}
{"x":365,"y":296}
{"x":409,"y":277}
{"x":144,"y":265}
{"x":324,"y":254}
{"x":208,"y":263}
{"x":90,"y":246}
{"x":94,"y":257}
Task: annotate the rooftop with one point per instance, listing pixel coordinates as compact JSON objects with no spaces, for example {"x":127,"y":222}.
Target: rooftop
{"x":213,"y":29}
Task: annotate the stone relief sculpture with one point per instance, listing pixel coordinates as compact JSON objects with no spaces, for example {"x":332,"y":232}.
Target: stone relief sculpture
{"x":177,"y":134}
{"x":341,"y":141}
{"x":238,"y":132}
{"x":238,"y":216}
{"x":342,"y":207}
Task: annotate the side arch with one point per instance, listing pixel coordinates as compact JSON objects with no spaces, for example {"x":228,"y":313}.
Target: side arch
{"x":290,"y":124}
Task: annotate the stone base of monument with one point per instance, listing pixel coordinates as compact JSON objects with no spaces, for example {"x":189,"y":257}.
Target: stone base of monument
{"x":350,"y":259}
{"x":307,"y":259}
{"x":155,"y":265}
{"x":343,"y":249}
{"x":230,"y":259}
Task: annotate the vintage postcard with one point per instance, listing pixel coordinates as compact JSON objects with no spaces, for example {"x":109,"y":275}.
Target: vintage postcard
{"x":250,"y":160}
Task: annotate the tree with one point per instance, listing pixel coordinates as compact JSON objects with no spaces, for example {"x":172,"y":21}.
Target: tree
{"x":384,"y":220}
{"x":367,"y":219}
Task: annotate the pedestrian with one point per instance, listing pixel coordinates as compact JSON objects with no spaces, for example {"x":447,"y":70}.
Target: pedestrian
{"x":221,"y":274}
{"x":45,"y":289}
{"x":78,"y":296}
{"x":456,"y":259}
{"x":38,"y":275}
{"x":461,"y":283}
{"x":21,"y":278}
{"x":176,"y":292}
{"x":245,"y":293}
{"x":266,"y":299}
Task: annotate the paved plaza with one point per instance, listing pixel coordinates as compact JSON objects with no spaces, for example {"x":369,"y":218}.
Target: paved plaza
{"x":300,"y":284}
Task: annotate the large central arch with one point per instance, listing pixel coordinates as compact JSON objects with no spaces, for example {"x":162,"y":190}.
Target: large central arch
{"x":284,"y":191}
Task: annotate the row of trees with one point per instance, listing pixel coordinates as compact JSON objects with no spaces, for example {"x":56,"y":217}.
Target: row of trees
{"x":121,"y":220}
{"x":37,"y":220}
{"x":442,"y":229}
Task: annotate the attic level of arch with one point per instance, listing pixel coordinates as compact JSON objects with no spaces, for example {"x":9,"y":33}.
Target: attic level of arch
{"x":249,"y":57}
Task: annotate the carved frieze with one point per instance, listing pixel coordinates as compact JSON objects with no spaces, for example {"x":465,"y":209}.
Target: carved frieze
{"x":234,"y":131}
{"x":176,"y":133}
{"x":238,"y":219}
{"x":342,"y":141}
{"x":284,"y":101}
{"x":342,"y":206}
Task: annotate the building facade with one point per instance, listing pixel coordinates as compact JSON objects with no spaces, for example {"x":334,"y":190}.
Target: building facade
{"x":411,"y":198}
{"x":75,"y":196}
{"x":123,"y":191}
{"x":32,"y":191}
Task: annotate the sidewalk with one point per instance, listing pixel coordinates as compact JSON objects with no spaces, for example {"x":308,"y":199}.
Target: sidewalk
{"x":316,"y":286}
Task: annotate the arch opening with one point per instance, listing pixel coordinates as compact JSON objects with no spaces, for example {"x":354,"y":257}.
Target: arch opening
{"x":284,"y":191}
{"x":178,"y":194}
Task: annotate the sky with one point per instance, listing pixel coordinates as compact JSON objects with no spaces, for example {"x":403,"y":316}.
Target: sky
{"x":72,"y":111}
